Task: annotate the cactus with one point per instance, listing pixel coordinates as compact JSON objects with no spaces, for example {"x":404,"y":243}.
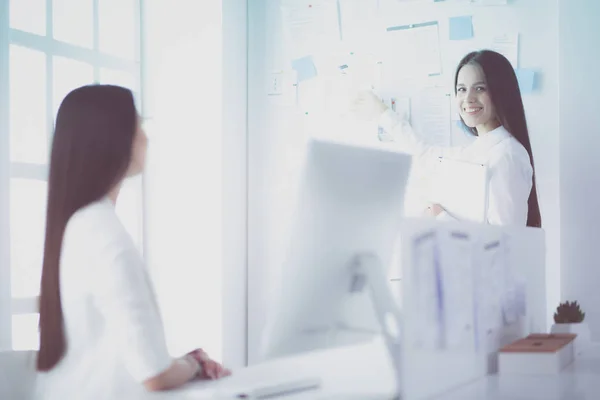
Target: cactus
{"x":568,"y":313}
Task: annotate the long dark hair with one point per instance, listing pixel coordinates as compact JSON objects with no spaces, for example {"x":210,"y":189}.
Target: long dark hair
{"x":503,"y":88}
{"x":91,"y":153}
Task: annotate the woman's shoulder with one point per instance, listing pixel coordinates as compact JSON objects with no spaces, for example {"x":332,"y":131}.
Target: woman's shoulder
{"x":505,"y":145}
{"x":510,"y":152}
{"x":98,"y":220}
{"x":97,"y":212}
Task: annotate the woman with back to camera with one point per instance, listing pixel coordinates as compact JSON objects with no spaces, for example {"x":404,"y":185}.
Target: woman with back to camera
{"x":101,"y":335}
{"x":489,"y":100}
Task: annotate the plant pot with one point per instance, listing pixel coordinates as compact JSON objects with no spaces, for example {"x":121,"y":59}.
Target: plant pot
{"x":581,"y":329}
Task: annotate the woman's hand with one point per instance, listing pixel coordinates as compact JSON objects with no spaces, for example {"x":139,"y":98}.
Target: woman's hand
{"x":433,"y":210}
{"x":368,"y":106}
{"x":210,"y":368}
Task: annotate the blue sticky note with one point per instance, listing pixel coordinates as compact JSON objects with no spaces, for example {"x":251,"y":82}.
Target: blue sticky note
{"x":305,"y":68}
{"x":526,"y":78}
{"x":461,"y":28}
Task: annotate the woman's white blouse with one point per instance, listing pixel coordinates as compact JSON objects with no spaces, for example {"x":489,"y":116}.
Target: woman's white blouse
{"x":115,"y":336}
{"x":509,"y":165}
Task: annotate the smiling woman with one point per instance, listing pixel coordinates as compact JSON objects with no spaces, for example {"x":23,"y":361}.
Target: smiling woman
{"x":474,"y":102}
{"x":488,"y":97}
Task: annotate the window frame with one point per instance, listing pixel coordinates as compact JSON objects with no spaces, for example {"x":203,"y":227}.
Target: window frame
{"x":10,"y":306}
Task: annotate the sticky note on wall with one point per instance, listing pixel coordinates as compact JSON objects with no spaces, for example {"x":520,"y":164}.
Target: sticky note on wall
{"x":461,"y":28}
{"x":489,"y":2}
{"x":305,"y":68}
{"x":526,"y":78}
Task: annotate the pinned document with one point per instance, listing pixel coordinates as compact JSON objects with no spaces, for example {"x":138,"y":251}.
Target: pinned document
{"x":431,"y":115}
{"x":357,"y":19}
{"x":305,"y":68}
{"x":461,"y":28}
{"x":507,"y":44}
{"x":416,"y":49}
{"x":309,"y":25}
{"x":526,"y":78}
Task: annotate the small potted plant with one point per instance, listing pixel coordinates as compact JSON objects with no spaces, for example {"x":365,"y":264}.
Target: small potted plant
{"x":569,"y":318}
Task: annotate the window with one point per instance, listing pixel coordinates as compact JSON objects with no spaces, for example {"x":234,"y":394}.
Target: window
{"x":48,"y":48}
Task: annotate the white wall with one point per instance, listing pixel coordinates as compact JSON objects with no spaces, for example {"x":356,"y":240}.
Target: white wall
{"x":579,"y":162}
{"x":274,"y":131}
{"x":195,"y":207}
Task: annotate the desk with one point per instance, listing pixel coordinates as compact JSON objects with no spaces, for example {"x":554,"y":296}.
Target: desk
{"x":365,"y":372}
{"x":351,"y":373}
{"x":579,"y":381}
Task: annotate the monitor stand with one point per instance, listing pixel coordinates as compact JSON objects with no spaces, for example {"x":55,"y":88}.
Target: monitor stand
{"x":368,"y":272}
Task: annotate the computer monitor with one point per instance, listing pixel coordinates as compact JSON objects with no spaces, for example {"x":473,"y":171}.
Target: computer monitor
{"x":334,"y":288}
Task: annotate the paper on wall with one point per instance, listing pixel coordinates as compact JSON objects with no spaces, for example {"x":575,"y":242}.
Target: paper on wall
{"x":416,"y":51}
{"x":431,"y":116}
{"x":309,"y":25}
{"x":507,"y":44}
{"x":358,"y":24}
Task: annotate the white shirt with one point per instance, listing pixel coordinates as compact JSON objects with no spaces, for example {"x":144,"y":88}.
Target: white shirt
{"x":509,"y":166}
{"x":114,"y":333}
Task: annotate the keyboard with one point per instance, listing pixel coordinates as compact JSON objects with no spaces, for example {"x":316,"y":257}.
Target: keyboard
{"x":269,"y":389}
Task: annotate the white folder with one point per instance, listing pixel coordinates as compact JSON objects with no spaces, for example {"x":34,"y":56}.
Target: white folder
{"x":461,"y":188}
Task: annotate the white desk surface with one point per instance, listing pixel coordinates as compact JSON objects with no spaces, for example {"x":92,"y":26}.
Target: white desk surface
{"x":579,"y":381}
{"x":358,"y":372}
{"x":364,"y":372}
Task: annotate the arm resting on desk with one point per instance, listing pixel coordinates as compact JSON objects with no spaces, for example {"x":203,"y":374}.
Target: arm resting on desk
{"x":181,"y":371}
